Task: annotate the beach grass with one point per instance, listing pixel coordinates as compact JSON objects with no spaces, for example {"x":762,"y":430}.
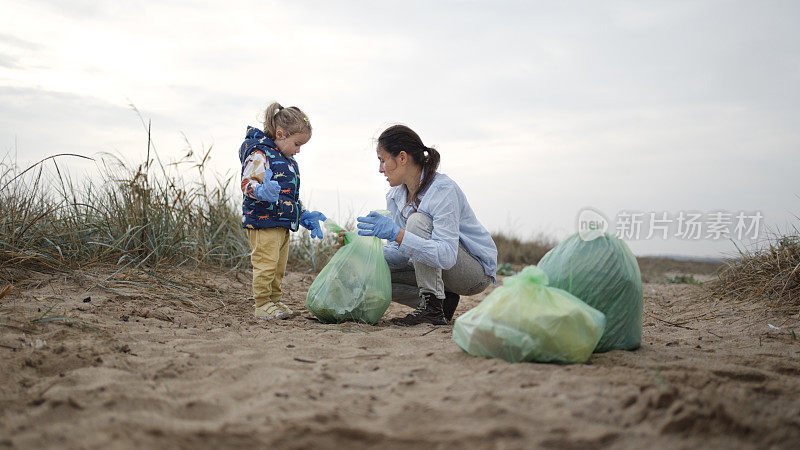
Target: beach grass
{"x":148,"y":215}
{"x":159,"y":217}
{"x":768,"y":272}
{"x":521,"y":251}
{"x":152,"y":214}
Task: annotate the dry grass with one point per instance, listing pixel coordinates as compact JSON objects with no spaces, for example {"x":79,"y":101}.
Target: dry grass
{"x":152,"y":217}
{"x":513,"y":250}
{"x":660,"y":269}
{"x":770,"y":273}
{"x":127,"y":215}
{"x":311,"y":255}
{"x":155,"y":218}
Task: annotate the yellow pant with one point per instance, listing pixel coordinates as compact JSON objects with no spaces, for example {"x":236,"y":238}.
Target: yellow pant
{"x":270,"y":252}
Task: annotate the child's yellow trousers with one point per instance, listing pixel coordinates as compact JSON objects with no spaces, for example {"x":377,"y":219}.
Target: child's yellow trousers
{"x":270,"y":252}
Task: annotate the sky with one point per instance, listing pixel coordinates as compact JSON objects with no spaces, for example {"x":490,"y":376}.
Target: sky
{"x":540,"y":110}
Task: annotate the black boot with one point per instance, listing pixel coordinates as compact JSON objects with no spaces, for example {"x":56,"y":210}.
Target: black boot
{"x":429,"y":310}
{"x":449,"y":305}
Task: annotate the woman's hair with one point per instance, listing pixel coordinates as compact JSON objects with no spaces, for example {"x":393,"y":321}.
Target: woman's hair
{"x":398,"y":138}
{"x":292,"y":120}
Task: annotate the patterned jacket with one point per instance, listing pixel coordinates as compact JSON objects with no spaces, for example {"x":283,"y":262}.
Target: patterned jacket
{"x":257,"y":153}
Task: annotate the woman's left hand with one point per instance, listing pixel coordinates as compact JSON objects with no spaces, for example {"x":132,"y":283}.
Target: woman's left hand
{"x":379,"y":226}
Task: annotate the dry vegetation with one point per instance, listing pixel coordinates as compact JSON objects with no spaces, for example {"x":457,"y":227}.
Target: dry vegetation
{"x":156,"y":217}
{"x":770,"y":274}
{"x":153,"y":216}
{"x":128,"y":216}
{"x":657,"y":269}
{"x":513,"y":250}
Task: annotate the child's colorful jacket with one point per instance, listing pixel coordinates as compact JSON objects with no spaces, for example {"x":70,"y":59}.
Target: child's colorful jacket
{"x":257,"y":153}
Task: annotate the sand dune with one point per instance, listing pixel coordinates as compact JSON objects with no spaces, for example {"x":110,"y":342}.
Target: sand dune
{"x":147,"y":370}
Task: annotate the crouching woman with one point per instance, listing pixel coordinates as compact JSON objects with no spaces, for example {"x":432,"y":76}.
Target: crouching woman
{"x":437,"y":249}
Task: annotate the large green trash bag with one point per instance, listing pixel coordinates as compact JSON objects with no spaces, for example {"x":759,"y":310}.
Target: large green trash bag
{"x":355,"y":285}
{"x":526,"y":320}
{"x":603,"y":273}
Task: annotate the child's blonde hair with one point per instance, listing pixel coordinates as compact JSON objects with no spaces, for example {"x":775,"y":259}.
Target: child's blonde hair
{"x":291,"y":120}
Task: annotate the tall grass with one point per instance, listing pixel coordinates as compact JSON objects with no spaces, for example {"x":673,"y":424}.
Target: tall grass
{"x":153,"y":214}
{"x":310,"y":255}
{"x":513,"y":250}
{"x":770,"y":272}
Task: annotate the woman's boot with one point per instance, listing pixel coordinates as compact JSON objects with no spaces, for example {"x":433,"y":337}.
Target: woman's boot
{"x":449,"y":305}
{"x":429,"y":310}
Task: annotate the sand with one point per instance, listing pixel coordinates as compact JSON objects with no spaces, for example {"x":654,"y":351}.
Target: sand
{"x":150,"y":370}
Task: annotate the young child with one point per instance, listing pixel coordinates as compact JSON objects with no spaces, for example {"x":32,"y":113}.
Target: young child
{"x":271,"y":201}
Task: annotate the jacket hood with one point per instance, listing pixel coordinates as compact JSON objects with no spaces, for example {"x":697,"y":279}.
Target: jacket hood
{"x":254,"y":138}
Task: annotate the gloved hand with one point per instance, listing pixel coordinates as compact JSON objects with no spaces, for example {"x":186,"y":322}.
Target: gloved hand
{"x":310,"y":220}
{"x":379,"y":226}
{"x":268,"y":190}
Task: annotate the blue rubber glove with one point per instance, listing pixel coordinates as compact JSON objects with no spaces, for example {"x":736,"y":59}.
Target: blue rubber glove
{"x":268,"y":190}
{"x":379,"y":226}
{"x":311,"y":220}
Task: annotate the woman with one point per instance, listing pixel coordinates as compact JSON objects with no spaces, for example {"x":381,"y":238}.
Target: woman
{"x":437,"y":249}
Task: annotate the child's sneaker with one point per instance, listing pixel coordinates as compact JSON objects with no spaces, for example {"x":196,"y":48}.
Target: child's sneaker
{"x":273,"y":310}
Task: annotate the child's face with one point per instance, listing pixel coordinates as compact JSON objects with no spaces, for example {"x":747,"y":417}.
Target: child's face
{"x":290,"y":145}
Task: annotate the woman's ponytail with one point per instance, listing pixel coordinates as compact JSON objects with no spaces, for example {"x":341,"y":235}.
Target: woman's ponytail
{"x":429,"y":166}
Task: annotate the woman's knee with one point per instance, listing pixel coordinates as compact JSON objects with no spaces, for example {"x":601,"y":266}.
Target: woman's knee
{"x":480,"y":287}
{"x":420,"y":224}
{"x":468,"y":289}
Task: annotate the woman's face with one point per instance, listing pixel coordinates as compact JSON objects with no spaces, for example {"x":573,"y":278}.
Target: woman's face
{"x":390,"y":168}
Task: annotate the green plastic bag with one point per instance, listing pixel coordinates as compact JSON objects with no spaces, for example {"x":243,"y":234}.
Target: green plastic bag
{"x":526,"y":320}
{"x":602,"y":272}
{"x":355,"y":285}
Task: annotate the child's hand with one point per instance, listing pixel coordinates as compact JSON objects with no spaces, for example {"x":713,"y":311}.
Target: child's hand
{"x":268,"y":190}
{"x":340,"y":239}
{"x":311,"y":220}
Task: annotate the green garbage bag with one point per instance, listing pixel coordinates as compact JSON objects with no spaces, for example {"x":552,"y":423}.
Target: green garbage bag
{"x":526,"y":320}
{"x":355,"y":285}
{"x":603,"y":273}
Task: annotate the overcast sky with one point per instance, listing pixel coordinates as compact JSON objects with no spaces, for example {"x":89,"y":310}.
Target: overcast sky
{"x":539,"y":109}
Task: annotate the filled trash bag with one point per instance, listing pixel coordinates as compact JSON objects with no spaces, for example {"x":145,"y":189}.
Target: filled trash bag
{"x":355,"y":285}
{"x":526,"y":320}
{"x":602,"y":272}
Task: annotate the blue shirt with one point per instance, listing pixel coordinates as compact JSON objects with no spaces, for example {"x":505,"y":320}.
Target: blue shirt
{"x":453,"y":222}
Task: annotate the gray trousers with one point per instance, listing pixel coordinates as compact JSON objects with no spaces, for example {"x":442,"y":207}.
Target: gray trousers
{"x":466,"y":277}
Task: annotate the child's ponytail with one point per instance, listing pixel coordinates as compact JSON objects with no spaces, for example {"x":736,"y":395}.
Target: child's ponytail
{"x":291,"y":120}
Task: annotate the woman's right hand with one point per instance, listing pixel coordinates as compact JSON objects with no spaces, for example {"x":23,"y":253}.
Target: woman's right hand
{"x":380,"y":226}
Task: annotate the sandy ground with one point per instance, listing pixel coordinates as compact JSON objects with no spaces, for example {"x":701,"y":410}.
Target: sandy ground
{"x":147,"y":369}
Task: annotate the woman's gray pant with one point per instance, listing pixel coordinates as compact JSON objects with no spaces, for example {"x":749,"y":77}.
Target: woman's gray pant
{"x":466,"y":277}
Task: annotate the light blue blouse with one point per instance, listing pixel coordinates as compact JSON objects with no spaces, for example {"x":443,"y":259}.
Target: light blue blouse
{"x":453,"y":221}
